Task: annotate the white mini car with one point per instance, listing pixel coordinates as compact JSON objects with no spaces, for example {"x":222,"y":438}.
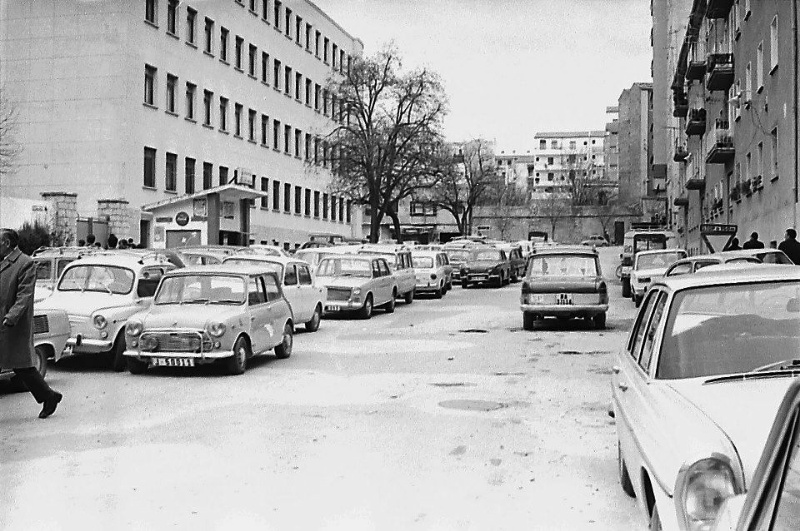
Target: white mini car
{"x":433,"y":271}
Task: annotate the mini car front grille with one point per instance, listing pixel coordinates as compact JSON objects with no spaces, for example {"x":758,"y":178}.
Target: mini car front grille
{"x":338,"y":294}
{"x":174,"y":342}
{"x":41,"y":325}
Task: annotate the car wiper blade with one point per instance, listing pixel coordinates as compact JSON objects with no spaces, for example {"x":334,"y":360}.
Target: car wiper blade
{"x":196,"y":301}
{"x":790,"y":364}
{"x":226,"y":301}
{"x":775,"y":373}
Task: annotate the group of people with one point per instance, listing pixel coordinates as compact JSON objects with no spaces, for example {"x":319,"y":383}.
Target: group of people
{"x":790,"y":246}
{"x":111,"y":243}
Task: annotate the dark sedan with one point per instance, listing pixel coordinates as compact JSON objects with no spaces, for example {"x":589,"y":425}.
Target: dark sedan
{"x":486,"y":265}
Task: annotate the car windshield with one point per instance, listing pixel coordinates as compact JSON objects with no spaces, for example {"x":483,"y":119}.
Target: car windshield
{"x":563,"y":265}
{"x":345,"y":267}
{"x":106,"y":279}
{"x":458,"y":255}
{"x":649,"y":242}
{"x":266,"y":265}
{"x":486,"y":255}
{"x":730,"y":329}
{"x":654,"y":261}
{"x":201,"y":289}
{"x":423,"y":262}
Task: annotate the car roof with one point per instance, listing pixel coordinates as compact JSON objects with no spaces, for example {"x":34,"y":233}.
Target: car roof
{"x":362,"y":256}
{"x":385,"y":247}
{"x":660,"y":251}
{"x":265,"y":258}
{"x":734,"y":275}
{"x":426,"y":252}
{"x":565,"y":249}
{"x":69,"y":252}
{"x":217,"y":269}
{"x":122,"y":259}
{"x":751,"y":252}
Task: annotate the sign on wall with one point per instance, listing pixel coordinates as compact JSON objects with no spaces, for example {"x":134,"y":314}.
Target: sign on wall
{"x":182,"y":219}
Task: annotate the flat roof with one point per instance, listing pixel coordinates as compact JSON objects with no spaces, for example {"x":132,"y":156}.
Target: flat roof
{"x":570,"y":134}
{"x":237,"y":191}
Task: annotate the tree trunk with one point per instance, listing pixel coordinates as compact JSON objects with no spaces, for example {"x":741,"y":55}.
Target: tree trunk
{"x":374,"y":222}
{"x":396,"y":222}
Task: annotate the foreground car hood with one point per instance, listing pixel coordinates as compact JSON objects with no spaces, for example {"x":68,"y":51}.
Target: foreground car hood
{"x":188,"y":315}
{"x":86,"y":303}
{"x":342,"y":282}
{"x":743,"y":410}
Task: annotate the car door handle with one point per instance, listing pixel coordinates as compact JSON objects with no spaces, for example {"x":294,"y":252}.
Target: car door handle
{"x":252,"y":318}
{"x":615,"y":369}
{"x":622,"y":387}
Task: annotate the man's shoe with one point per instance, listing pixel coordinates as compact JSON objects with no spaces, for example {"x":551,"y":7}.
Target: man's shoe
{"x":50,"y":405}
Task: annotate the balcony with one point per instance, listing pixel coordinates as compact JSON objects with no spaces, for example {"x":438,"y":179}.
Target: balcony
{"x":720,"y":71}
{"x":736,"y":193}
{"x":721,"y":150}
{"x":680,"y":153}
{"x":695,"y":181}
{"x":696,"y":69}
{"x":697,"y":122}
{"x":718,"y":8}
{"x":680,"y":105}
{"x":681,"y":201}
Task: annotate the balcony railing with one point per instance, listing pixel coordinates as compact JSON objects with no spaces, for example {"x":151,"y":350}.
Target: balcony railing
{"x":720,"y":71}
{"x":680,"y":105}
{"x":718,"y":8}
{"x":721,"y":149}
{"x":681,"y":201}
{"x":694,"y":181}
{"x":680,"y":153}
{"x":736,"y":192}
{"x":697,"y":122}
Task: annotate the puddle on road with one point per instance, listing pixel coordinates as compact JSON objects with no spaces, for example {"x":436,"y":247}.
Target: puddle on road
{"x":472,"y":405}
{"x":601,"y":370}
{"x":584,"y":353}
{"x":473,"y":331}
{"x":453,"y":384}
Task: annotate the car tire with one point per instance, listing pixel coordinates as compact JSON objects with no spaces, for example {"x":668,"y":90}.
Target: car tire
{"x":514,"y":277}
{"x":366,"y":311}
{"x":118,"y":363}
{"x":409,"y":297}
{"x":600,"y":321}
{"x":136,"y":366}
{"x":528,"y":320}
{"x":389,"y":306}
{"x":655,"y":520}
{"x":40,"y":360}
{"x":284,"y":349}
{"x":624,"y":477}
{"x":464,"y":284}
{"x":500,"y":282}
{"x":237,"y":363}
{"x":438,"y":293}
{"x":626,"y":287}
{"x":637,"y":300}
{"x":313,"y":324}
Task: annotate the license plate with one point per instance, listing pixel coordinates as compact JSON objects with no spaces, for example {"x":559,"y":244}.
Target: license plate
{"x":173,"y":362}
{"x":563,"y":299}
{"x":331,"y":308}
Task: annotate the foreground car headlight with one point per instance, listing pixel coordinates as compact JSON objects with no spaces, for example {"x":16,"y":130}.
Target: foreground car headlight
{"x":99,"y":322}
{"x":216,"y":329}
{"x":356,"y":292}
{"x":701,"y":490}
{"x":134,"y":328}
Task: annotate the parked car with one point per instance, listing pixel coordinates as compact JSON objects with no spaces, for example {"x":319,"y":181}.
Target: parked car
{"x":457,"y":257}
{"x":206,"y":254}
{"x":642,"y":238}
{"x":486,"y":265}
{"x":357,"y":283}
{"x":696,"y":386}
{"x":399,"y":259}
{"x":564,"y":282}
{"x":297,"y":284}
{"x":202,"y":315}
{"x":270,"y":250}
{"x":50,"y":334}
{"x":99,"y":292}
{"x":516,"y":259}
{"x":50,"y":263}
{"x":766,"y":256}
{"x":433,"y":272}
{"x":692,"y":264}
{"x":595,"y":240}
{"x":648,"y":266}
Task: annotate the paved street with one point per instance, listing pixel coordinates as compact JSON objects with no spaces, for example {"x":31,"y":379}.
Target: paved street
{"x":444,"y":415}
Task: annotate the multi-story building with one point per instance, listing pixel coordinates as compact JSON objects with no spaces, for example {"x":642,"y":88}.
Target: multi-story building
{"x":735,"y":88}
{"x":635,"y":146}
{"x":611,"y":145}
{"x":179,"y":120}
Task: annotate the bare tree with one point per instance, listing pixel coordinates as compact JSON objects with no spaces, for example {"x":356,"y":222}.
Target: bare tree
{"x":554,"y":207}
{"x":505,"y":201}
{"x":388,"y":131}
{"x":9,"y":149}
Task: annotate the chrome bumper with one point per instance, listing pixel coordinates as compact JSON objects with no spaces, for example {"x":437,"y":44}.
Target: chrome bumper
{"x":340,"y":306}
{"x":564,"y":309}
{"x":81,"y":345}
{"x":211,"y":355}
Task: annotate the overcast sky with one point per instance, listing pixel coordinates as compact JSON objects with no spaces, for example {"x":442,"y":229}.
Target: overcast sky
{"x":513,"y":68}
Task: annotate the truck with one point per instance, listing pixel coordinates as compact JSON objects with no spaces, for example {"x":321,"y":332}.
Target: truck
{"x":643,"y":237}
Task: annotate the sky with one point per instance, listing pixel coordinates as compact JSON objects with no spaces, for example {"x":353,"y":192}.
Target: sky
{"x":512,"y":68}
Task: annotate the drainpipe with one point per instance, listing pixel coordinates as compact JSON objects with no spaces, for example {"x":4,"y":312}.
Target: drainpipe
{"x":795,"y":103}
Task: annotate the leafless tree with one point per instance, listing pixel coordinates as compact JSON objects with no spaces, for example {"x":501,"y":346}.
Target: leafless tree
{"x":507,"y":200}
{"x":554,"y":207}
{"x":9,"y":149}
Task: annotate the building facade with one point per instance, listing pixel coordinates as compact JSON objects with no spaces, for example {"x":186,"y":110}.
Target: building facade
{"x":735,"y":87}
{"x":150,"y":103}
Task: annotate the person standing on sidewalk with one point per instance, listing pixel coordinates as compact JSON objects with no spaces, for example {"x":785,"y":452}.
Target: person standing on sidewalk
{"x":17,"y":283}
{"x":791,"y":246}
{"x":753,"y":242}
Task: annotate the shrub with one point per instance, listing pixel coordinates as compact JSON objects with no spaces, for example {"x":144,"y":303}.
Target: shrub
{"x":32,"y":236}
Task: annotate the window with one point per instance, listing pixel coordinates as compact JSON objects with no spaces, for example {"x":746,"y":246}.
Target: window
{"x":290,"y":277}
{"x":760,"y":67}
{"x":172,"y":17}
{"x":316,"y":150}
{"x":276,"y":134}
{"x":748,"y":82}
{"x":773,"y":44}
{"x":650,"y":334}
{"x":316,"y":204}
{"x":223,"y":44}
{"x":308,"y":92}
{"x":298,"y":143}
{"x":308,"y":146}
{"x":190,"y":90}
{"x":265,"y":68}
{"x":333,"y":208}
{"x":298,"y":199}
{"x":237,"y":120}
{"x":265,"y":10}
{"x":208,"y":97}
{"x":317,"y":91}
{"x":324,"y":154}
{"x":209,"y":34}
{"x":307,"y":209}
{"x":326,"y":47}
{"x":334,"y":54}
{"x":349,"y":207}
{"x":150,"y":84}
{"x":276,"y":195}
{"x":325,"y":102}
{"x":760,"y":159}
{"x":253,"y":7}
{"x":223,"y":114}
{"x":191,"y":17}
{"x":317,"y":36}
{"x":542,"y":144}
{"x":341,"y":209}
{"x":298,"y":28}
{"x":304,"y":274}
{"x":324,"y":206}
{"x":172,"y":82}
{"x":288,"y":21}
{"x":171,"y":173}
{"x":638,"y":335}
{"x":748,"y":159}
{"x":287,"y":80}
{"x":149,"y":167}
{"x":223,"y":175}
{"x":308,"y":37}
{"x":287,"y":197}
{"x":208,"y":175}
{"x":264,"y":129}
{"x":287,"y":138}
{"x":265,"y":189}
{"x":774,"y":153}
{"x":276,"y":15}
{"x":251,"y":125}
{"x":238,"y":50}
{"x":298,"y":85}
{"x":150,"y":12}
{"x":341,"y":61}
{"x":276,"y":74}
{"x":188,"y":177}
{"x":251,"y":65}
{"x":255,"y":292}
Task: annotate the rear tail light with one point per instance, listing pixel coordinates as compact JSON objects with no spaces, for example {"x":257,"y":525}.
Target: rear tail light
{"x":526,"y":287}
{"x":433,"y":276}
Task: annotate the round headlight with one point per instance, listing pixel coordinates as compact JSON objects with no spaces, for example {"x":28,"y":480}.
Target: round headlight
{"x":216,"y":329}
{"x":356,"y":291}
{"x":99,"y":322}
{"x":433,"y":276}
{"x":134,"y":328}
{"x":705,"y":486}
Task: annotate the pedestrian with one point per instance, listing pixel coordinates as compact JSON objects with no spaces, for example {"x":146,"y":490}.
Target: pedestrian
{"x":131,"y":245}
{"x":17,"y":284}
{"x":81,"y":243}
{"x":753,"y":242}
{"x":112,"y":241}
{"x":123,"y":244}
{"x":791,"y":246}
{"x":90,"y":239}
{"x":733,"y":246}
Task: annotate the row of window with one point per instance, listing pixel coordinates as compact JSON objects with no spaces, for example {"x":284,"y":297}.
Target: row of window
{"x":554,"y":144}
{"x":305,"y":201}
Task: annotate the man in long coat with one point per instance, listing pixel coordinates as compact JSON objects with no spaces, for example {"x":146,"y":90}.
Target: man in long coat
{"x":17,"y":284}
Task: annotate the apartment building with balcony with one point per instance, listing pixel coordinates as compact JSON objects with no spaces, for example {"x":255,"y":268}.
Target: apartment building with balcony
{"x":611,"y":144}
{"x":735,"y":95}
{"x":195,"y":117}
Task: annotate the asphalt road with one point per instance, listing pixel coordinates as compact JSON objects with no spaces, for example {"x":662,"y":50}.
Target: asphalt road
{"x":444,"y":415}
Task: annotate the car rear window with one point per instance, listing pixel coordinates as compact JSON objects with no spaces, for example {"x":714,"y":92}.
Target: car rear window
{"x":566,"y":265}
{"x":423,"y":262}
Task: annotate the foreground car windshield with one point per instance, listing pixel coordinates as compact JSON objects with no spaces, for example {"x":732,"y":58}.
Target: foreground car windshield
{"x":487,"y":255}
{"x":652,"y":261}
{"x":107,"y":279}
{"x":423,"y":262}
{"x":352,"y":267}
{"x":272,"y":267}
{"x":563,"y":265}
{"x":186,"y":289}
{"x":730,"y":329}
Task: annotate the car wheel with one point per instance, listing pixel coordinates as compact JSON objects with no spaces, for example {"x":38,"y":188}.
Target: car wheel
{"x":40,"y":360}
{"x":284,"y":349}
{"x":313,"y":324}
{"x":500,"y":281}
{"x":438,"y":293}
{"x":237,"y":363}
{"x":366,"y":311}
{"x":409,"y":297}
{"x":655,"y":520}
{"x":136,"y":366}
{"x":626,"y":287}
{"x":514,"y":277}
{"x":527,"y":321}
{"x":389,"y":306}
{"x":637,"y":300}
{"x":464,"y":284}
{"x":624,"y":478}
{"x":600,"y":321}
{"x":118,"y":354}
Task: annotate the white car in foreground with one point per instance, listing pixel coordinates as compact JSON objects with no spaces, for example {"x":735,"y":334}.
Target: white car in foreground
{"x":649,"y":266}
{"x":696,"y":387}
